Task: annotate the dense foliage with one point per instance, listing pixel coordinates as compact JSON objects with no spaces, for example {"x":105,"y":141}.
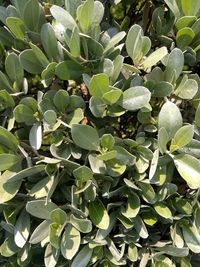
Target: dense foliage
{"x":99,"y":135}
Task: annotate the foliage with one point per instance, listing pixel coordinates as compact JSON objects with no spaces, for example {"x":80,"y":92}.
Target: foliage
{"x":99,"y":136}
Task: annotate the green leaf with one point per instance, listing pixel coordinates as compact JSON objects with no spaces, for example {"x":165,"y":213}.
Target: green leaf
{"x":25,"y":173}
{"x":172,"y":4}
{"x":85,"y":136}
{"x":83,"y":225}
{"x":14,"y":69}
{"x":49,"y":41}
{"x":74,"y":44}
{"x":7,"y":161}
{"x":59,"y":216}
{"x":114,"y":40}
{"x":183,"y":206}
{"x":50,"y":117}
{"x":186,"y":21}
{"x":22,"y":229}
{"x":16,"y":26}
{"x":137,"y":46}
{"x":70,"y":242}
{"x":108,"y":155}
{"x":155,"y":57}
{"x":98,"y":214}
{"x":54,"y":234}
{"x":163,"y":210}
{"x":69,"y":70}
{"x":40,"y":232}
{"x":85,"y":14}
{"x":4,"y":83}
{"x":170,"y":118}
{"x":197,"y":116}
{"x":123,"y":156}
{"x":83,"y":257}
{"x":140,"y":227}
{"x":31,"y":14}
{"x":23,"y":113}
{"x":83,"y":174}
{"x":40,"y":209}
{"x":173,"y":251}
{"x":61,"y":100}
{"x":163,"y":139}
{"x":8,"y":140}
{"x":35,"y":136}
{"x":8,"y":190}
{"x":148,"y":192}
{"x":133,"y":252}
{"x":135,"y":98}
{"x":112,"y":96}
{"x":75,"y":117}
{"x":189,"y":169}
{"x":99,"y":85}
{"x":118,"y":64}
{"x":162,"y":89}
{"x":63,"y":17}
{"x":191,"y":237}
{"x":51,"y":256}
{"x":107,"y":141}
{"x":187,"y":88}
{"x":175,"y":62}
{"x":190,"y":7}
{"x":40,"y":55}
{"x":30,"y":62}
{"x":97,"y":106}
{"x":6,"y":100}
{"x":184,"y":37}
{"x":98,"y":13}
{"x":182,"y":137}
{"x":132,"y":206}
{"x":71,"y":6}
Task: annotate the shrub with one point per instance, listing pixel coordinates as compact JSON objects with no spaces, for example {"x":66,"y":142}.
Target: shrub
{"x":99,"y":136}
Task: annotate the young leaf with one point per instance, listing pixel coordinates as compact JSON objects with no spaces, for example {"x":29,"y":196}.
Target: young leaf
{"x":154,"y":58}
{"x":182,"y":137}
{"x":16,"y":26}
{"x":49,"y":41}
{"x":85,"y":136}
{"x":85,"y":13}
{"x":63,"y":17}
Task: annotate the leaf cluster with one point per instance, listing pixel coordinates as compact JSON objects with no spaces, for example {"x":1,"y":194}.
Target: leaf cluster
{"x":100,"y":133}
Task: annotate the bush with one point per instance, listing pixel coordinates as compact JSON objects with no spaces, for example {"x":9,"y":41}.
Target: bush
{"x":99,"y":136}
